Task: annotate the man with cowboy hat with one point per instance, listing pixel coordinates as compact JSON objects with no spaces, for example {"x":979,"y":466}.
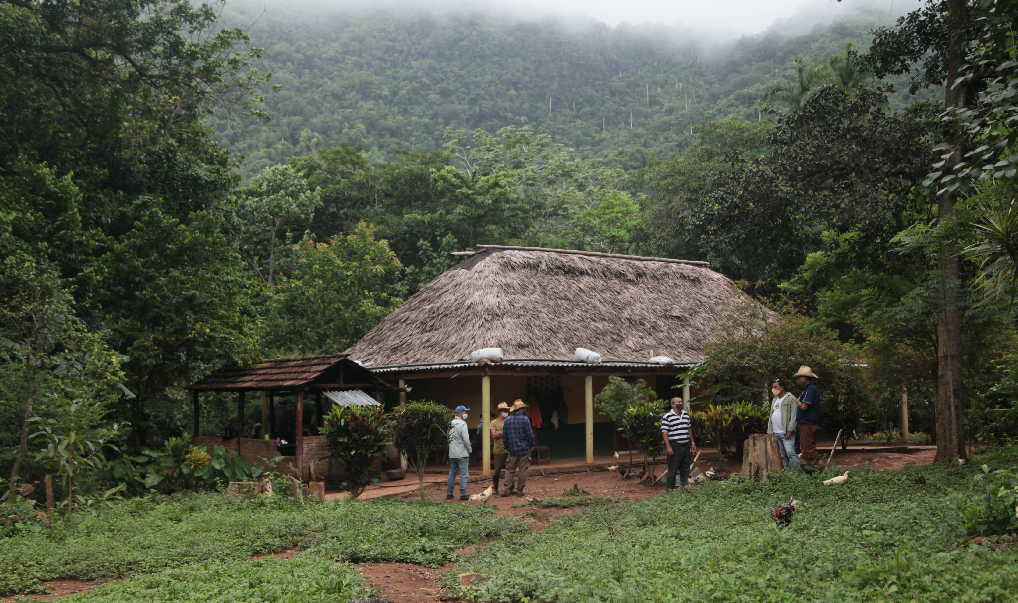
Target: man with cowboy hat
{"x":808,"y":414}
{"x":518,"y":438}
{"x":498,"y":446}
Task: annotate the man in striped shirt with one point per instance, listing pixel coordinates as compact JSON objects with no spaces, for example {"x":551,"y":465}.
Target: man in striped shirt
{"x":677,"y":432}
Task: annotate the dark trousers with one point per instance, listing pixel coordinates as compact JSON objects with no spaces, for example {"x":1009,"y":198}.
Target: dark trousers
{"x":499,"y":466}
{"x":679,"y":462}
{"x":808,"y":443}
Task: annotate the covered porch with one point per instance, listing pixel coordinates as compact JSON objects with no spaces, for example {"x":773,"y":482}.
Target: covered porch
{"x":567,"y":426}
{"x":294,"y":395}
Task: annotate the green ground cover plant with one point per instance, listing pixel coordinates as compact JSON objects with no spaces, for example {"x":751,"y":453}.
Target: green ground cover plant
{"x":892,"y":535}
{"x":566,"y":502}
{"x":148,"y":535}
{"x":304,"y":579}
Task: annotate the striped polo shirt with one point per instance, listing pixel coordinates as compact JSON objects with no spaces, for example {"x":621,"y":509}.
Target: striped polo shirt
{"x":676,"y":426}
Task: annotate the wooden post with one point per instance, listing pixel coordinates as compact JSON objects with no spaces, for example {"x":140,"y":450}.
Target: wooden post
{"x":319,"y":418}
{"x":196,"y":412}
{"x":241,"y":413}
{"x":485,"y":431}
{"x":402,"y":391}
{"x":265,"y":413}
{"x":47,"y":481}
{"x":904,"y":413}
{"x":686,"y":393}
{"x":300,"y":435}
{"x":588,"y":396}
{"x":272,"y":415}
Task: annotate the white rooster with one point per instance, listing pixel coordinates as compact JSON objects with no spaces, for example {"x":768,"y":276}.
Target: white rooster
{"x":484,"y":495}
{"x":837,"y":481}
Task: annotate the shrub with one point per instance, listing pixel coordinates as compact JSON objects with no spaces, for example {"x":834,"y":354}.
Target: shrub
{"x":357,"y":435}
{"x":636,"y":412}
{"x":420,"y":428}
{"x":993,"y":507}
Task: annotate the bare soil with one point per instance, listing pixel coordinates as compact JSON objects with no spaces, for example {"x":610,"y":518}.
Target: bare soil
{"x":61,"y":588}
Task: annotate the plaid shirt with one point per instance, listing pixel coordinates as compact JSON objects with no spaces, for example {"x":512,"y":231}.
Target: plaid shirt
{"x":518,"y":435}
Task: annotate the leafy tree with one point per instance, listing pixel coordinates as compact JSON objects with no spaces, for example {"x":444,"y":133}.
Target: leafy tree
{"x":338,"y":290}
{"x":357,"y":436}
{"x":269,"y":213}
{"x":760,"y":346}
{"x":965,"y":47}
{"x":420,"y":428}
{"x":636,"y":412}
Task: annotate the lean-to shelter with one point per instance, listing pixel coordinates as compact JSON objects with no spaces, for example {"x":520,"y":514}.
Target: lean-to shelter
{"x":286,"y":426}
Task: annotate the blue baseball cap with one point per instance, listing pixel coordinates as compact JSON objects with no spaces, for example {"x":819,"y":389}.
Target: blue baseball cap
{"x":461,"y":408}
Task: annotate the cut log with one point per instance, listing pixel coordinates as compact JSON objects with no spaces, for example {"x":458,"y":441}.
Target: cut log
{"x":760,"y":456}
{"x":241,"y":490}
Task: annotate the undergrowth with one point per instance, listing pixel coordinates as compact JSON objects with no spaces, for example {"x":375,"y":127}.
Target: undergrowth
{"x":892,"y":535}
{"x":148,"y":535}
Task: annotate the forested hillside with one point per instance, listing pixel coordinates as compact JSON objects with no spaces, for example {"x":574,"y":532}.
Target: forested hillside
{"x":395,"y":81}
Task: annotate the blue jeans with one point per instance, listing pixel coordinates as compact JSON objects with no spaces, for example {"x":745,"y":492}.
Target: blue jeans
{"x":786,"y":447}
{"x":459,"y":465}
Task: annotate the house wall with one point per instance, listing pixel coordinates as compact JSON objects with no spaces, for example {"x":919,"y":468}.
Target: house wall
{"x":567,"y":440}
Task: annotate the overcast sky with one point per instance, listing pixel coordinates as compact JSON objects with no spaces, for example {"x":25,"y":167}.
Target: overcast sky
{"x":731,"y":17}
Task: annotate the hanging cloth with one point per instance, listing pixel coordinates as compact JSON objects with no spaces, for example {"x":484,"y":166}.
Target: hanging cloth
{"x":535,"y":415}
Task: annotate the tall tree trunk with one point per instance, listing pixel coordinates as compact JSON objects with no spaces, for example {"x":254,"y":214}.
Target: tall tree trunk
{"x":948,"y":403}
{"x":19,"y":457}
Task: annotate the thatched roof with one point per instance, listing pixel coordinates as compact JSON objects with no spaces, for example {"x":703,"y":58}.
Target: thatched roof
{"x":285,"y":374}
{"x":541,"y":304}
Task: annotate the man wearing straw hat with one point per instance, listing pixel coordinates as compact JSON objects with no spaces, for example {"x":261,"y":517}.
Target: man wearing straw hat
{"x":518,"y":437}
{"x":808,"y":414}
{"x":498,"y":446}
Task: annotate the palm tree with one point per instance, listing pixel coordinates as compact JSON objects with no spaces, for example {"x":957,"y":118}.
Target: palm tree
{"x":848,"y":71}
{"x":793,"y":94}
{"x":996,"y":247}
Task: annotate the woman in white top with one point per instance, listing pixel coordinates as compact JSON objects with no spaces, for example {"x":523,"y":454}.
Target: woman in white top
{"x":782,"y":423}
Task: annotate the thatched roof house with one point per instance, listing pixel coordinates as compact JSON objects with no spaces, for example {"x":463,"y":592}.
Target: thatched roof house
{"x":543,"y":304}
{"x":538,"y":306}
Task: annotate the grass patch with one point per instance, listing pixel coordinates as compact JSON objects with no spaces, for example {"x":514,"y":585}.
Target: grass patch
{"x":300,"y":579}
{"x":145,"y":536}
{"x":882,"y":536}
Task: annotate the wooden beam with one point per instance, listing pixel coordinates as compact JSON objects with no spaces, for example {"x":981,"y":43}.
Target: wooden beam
{"x":904,"y":413}
{"x":196,"y":413}
{"x":485,"y":432}
{"x":300,"y":435}
{"x":588,"y":398}
{"x":597,"y":254}
{"x":265,"y":413}
{"x":272,"y":415}
{"x":685,"y":390}
{"x":241,"y":412}
{"x":402,"y":391}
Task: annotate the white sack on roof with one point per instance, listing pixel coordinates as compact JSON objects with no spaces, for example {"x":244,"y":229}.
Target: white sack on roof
{"x":662,"y":360}
{"x":489,"y":354}
{"x":588,"y":356}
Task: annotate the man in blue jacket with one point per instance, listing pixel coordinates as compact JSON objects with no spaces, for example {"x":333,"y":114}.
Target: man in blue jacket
{"x":518,"y":436}
{"x":808,"y":415}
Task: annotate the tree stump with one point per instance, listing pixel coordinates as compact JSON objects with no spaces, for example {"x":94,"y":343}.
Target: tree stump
{"x":760,"y":456}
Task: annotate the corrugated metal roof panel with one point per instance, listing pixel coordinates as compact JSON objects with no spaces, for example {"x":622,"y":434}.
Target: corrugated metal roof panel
{"x":353,"y":397}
